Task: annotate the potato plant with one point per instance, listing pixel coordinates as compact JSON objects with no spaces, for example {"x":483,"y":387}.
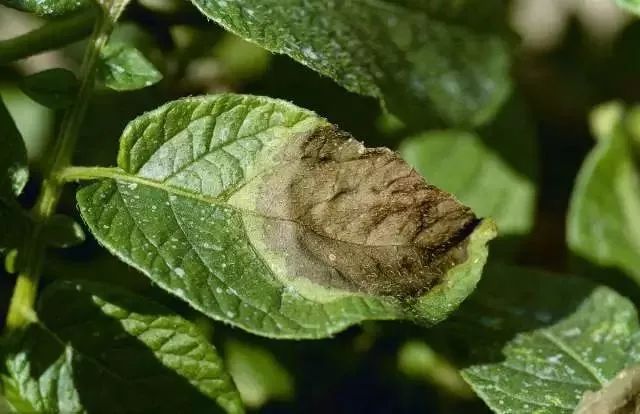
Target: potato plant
{"x":217,"y":222}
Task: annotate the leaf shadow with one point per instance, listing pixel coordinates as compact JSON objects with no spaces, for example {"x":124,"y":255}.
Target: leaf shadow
{"x":112,"y":370}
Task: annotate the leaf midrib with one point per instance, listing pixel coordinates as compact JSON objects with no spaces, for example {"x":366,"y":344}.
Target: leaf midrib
{"x":118,"y":174}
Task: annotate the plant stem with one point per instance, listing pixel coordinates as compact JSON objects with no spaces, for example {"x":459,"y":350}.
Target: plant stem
{"x":52,"y":35}
{"x":24,"y":295}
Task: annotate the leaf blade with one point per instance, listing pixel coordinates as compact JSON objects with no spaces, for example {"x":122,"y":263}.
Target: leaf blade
{"x":407,"y":54}
{"x":118,"y":341}
{"x":125,"y":68}
{"x":484,"y":180}
{"x":204,"y":239}
{"x":47,"y":8}
{"x":566,"y":345}
{"x":607,"y":184}
{"x":13,"y":159}
{"x":53,"y":88}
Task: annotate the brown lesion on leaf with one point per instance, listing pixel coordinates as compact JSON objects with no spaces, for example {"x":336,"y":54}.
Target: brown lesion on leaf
{"x":620,"y":396}
{"x":360,"y":219}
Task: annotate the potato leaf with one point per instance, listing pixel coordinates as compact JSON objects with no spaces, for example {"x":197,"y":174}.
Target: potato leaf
{"x":495,"y":169}
{"x":265,"y":216}
{"x":62,"y":231}
{"x":14,"y":224}
{"x":584,"y":336}
{"x":603,"y":225}
{"x":96,"y":349}
{"x":53,"y":88}
{"x":47,"y":8}
{"x":124,"y":68}
{"x":258,"y":374}
{"x":425,"y":61}
{"x":13,"y":177}
{"x":13,"y":156}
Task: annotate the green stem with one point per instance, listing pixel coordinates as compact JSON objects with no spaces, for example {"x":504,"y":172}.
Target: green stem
{"x":78,"y":173}
{"x":24,"y":295}
{"x":52,"y":35}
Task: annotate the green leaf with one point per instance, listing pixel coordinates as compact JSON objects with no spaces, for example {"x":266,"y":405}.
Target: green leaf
{"x":418,"y":360}
{"x":603,"y":225}
{"x":13,"y":177}
{"x":53,"y":88}
{"x":11,"y":264}
{"x":582,"y":336}
{"x":47,"y":8}
{"x":265,"y":216}
{"x":124,"y":68}
{"x":257,"y":373}
{"x":425,"y":61}
{"x":62,"y":231}
{"x":13,"y":157}
{"x":98,"y":349}
{"x":494,"y":171}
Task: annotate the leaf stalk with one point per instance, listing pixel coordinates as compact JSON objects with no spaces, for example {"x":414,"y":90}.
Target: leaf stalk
{"x":52,"y":35}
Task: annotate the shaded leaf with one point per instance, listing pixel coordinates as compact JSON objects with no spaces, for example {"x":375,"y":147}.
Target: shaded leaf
{"x":11,"y":264}
{"x":417,"y":360}
{"x":265,"y":216}
{"x":47,"y":8}
{"x":34,"y":121}
{"x":98,"y":349}
{"x":603,"y":225}
{"x":257,"y":373}
{"x":124,"y":68}
{"x":13,"y":177}
{"x":425,"y":61}
{"x":14,"y":224}
{"x":53,"y":88}
{"x":13,"y":157}
{"x":583,"y":336}
{"x":62,"y":231}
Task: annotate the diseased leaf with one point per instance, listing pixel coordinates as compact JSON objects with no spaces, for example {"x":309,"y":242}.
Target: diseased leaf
{"x":603,"y":225}
{"x":582,"y":336}
{"x":620,"y":396}
{"x":13,"y":156}
{"x":494,"y":171}
{"x":124,"y":68}
{"x":425,"y":61}
{"x":47,"y":8}
{"x":257,"y":373}
{"x":97,"y":349}
{"x":263,"y":215}
{"x":53,"y":88}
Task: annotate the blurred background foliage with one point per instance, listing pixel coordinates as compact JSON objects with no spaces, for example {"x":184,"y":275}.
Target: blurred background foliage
{"x":574,"y":55}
